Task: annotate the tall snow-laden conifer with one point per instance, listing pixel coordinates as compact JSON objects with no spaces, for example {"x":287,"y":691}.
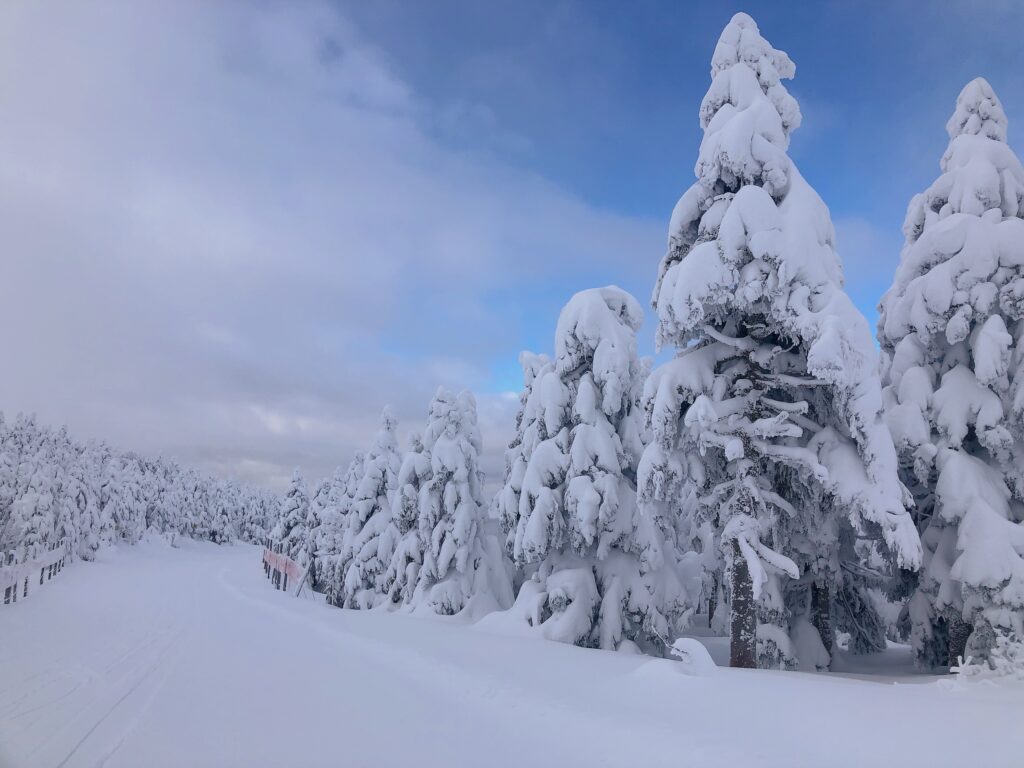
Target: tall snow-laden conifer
{"x":35,"y":512}
{"x":332,"y":533}
{"x":370,"y":534}
{"x":767,"y":425}
{"x":462,"y":567}
{"x":403,"y":571}
{"x":291,"y":526}
{"x":950,"y":331}
{"x":597,"y":572}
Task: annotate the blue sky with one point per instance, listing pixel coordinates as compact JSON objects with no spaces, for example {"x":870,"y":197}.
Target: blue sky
{"x":601,"y":97}
{"x":234,"y":231}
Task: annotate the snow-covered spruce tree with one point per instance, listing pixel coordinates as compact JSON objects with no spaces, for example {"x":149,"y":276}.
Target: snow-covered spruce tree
{"x":400,"y":578}
{"x":318,"y":506}
{"x":35,"y":512}
{"x":222,"y":530}
{"x":8,"y":481}
{"x":319,"y":511}
{"x":462,"y":568}
{"x":332,"y":531}
{"x":768,"y":424}
{"x":291,"y":526}
{"x":597,"y":572}
{"x":370,"y":535}
{"x":949,"y":329}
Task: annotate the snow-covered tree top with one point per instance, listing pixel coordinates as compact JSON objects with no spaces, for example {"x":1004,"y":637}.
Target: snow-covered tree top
{"x":596,"y":330}
{"x":964,"y":234}
{"x":385,"y":443}
{"x":388,"y":422}
{"x":978,"y":112}
{"x":384,"y":459}
{"x":751,"y":231}
{"x":741,"y":44}
{"x":747,"y":114}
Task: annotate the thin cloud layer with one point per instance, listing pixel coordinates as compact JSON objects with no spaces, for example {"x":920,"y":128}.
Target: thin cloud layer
{"x":229,"y":236}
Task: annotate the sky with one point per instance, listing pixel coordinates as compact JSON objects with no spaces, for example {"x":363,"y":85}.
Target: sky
{"x":232,"y":232}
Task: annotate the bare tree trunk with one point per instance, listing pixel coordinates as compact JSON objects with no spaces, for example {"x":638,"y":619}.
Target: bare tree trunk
{"x":743,"y":631}
{"x":821,"y":614}
{"x":713,"y":599}
{"x":959,"y":632}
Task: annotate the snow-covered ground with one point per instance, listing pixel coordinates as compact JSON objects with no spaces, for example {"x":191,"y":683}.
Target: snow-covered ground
{"x":187,"y":657}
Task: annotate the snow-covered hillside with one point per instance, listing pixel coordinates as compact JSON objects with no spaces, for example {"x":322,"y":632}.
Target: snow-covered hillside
{"x":157,"y":656}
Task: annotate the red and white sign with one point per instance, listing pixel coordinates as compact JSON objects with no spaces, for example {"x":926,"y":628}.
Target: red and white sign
{"x":283,"y":564}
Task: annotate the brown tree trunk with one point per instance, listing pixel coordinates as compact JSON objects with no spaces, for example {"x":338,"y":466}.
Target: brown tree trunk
{"x":959,"y":631}
{"x":821,"y":614}
{"x":743,"y":630}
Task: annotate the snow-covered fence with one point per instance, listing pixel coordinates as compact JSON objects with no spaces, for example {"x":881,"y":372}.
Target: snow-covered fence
{"x":15,"y":576}
{"x":280,"y":568}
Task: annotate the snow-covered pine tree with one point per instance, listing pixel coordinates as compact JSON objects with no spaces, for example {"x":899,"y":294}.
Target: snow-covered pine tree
{"x":319,"y":511}
{"x":222,"y":529}
{"x":400,"y":578}
{"x":767,"y":424}
{"x":597,"y":572}
{"x":290,"y":529}
{"x":462,"y":568}
{"x":370,"y":534}
{"x":332,"y":533}
{"x":318,"y":507}
{"x":35,"y":512}
{"x":8,"y":483}
{"x":949,"y":329}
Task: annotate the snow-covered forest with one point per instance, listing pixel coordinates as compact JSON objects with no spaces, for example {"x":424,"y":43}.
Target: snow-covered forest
{"x":84,"y":496}
{"x":780,"y":488}
{"x":776,"y":481}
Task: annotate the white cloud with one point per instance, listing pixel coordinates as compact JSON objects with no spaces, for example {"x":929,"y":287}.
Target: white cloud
{"x":228,"y":235}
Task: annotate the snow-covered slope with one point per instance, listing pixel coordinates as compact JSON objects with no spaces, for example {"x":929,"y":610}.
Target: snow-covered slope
{"x":186,"y":657}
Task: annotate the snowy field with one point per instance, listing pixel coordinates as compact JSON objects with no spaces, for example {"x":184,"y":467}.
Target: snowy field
{"x":187,"y":657}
